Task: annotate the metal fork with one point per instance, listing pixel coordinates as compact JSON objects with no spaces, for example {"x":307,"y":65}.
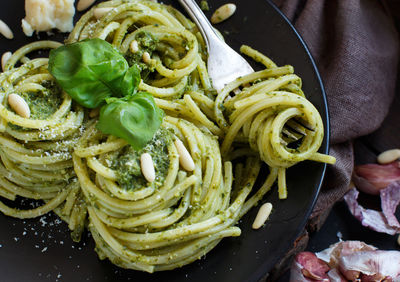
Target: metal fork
{"x":224,"y":64}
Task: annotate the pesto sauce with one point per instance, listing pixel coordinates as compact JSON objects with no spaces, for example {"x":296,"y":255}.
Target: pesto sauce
{"x":147,"y":43}
{"x":43,"y":104}
{"x":127,"y":163}
{"x":204,"y":5}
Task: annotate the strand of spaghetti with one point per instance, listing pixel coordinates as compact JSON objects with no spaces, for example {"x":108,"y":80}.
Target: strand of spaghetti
{"x":70,"y":200}
{"x":198,"y":115}
{"x":122,"y":223}
{"x":175,"y":90}
{"x":100,"y":169}
{"x":257,"y":56}
{"x":177,"y":214}
{"x":53,"y":203}
{"x":318,"y":157}
{"x":264,"y":87}
{"x":20,"y":53}
{"x":253,"y":200}
{"x":115,"y":190}
{"x":100,"y":149}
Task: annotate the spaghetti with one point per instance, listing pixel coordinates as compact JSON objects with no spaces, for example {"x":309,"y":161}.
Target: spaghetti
{"x":260,"y":118}
{"x":35,"y":152}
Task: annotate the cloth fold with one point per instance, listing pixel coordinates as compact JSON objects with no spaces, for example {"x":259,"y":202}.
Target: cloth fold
{"x":355,"y":44}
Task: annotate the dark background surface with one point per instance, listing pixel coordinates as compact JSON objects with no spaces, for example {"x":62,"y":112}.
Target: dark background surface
{"x":41,"y":249}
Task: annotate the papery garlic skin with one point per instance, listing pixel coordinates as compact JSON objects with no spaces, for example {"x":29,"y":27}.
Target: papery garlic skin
{"x":383,"y":221}
{"x":347,"y":260}
{"x":332,"y":254}
{"x":378,"y":263}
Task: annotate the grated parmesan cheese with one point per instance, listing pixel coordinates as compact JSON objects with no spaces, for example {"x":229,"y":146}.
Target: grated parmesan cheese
{"x":44,"y":15}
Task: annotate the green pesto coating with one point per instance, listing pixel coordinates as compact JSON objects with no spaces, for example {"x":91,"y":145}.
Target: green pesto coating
{"x":204,"y":5}
{"x":127,"y":163}
{"x":43,"y":104}
{"x":147,"y":43}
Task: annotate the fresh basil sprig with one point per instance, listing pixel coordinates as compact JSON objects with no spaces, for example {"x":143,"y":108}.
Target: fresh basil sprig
{"x":135,"y":118}
{"x":93,"y":73}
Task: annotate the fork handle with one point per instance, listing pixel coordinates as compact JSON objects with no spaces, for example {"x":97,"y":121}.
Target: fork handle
{"x":201,"y":21}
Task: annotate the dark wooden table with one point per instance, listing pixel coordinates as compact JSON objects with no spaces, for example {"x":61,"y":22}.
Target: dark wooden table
{"x":340,"y":223}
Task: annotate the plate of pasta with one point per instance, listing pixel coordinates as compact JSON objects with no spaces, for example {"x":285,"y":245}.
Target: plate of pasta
{"x":119,"y":161}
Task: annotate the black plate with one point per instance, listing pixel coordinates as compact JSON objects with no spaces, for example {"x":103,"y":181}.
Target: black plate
{"x":41,"y":250}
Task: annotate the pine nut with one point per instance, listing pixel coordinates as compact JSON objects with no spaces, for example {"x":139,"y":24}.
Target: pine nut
{"x":19,"y":105}
{"x":84,"y":4}
{"x":146,"y":57}
{"x":134,"y":46}
{"x":4,"y":59}
{"x":5,"y":30}
{"x":223,"y":12}
{"x":388,"y":156}
{"x":101,"y":12}
{"x":94,"y":112}
{"x":236,"y":91}
{"x":262,"y":215}
{"x":185,"y":158}
{"x":147,"y":166}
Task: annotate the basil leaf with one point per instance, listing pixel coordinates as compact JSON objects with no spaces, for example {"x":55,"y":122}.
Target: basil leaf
{"x":91,"y":71}
{"x":134,"y":118}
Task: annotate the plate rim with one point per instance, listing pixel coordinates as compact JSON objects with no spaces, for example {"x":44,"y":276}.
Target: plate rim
{"x":261,"y":273}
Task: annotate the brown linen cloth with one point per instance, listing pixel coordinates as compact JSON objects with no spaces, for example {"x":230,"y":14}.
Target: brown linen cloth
{"x":355,"y":45}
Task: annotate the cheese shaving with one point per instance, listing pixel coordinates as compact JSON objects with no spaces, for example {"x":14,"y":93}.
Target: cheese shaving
{"x":44,"y":15}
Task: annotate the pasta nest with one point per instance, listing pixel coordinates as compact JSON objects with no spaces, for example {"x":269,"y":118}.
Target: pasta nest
{"x":35,"y":151}
{"x":164,"y":225}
